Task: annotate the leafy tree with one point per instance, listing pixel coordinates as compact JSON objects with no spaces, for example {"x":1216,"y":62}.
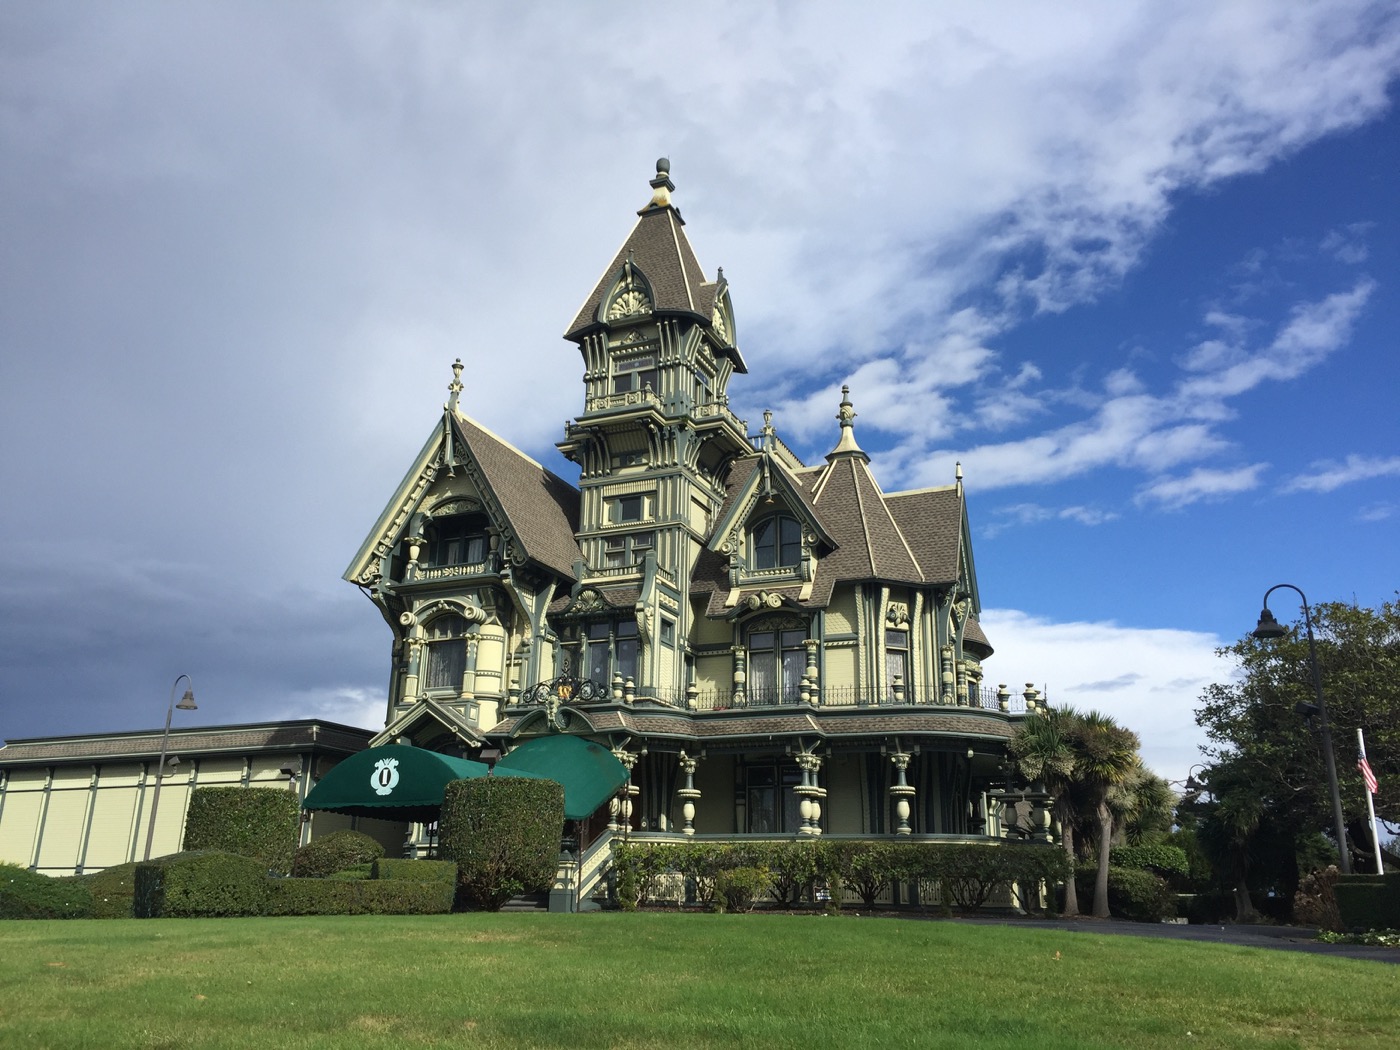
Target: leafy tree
{"x":1105,"y":759}
{"x":1043,"y":751}
{"x":1267,"y":772}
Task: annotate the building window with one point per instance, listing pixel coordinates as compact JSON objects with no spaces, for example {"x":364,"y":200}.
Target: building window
{"x":668,"y":632}
{"x":612,"y":649}
{"x":777,"y":662}
{"x":621,"y":551}
{"x":896,"y":657}
{"x":634,"y":373}
{"x":447,"y":652}
{"x":777,"y":543}
{"x":458,"y":540}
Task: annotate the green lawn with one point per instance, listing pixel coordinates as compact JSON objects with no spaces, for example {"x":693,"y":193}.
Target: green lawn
{"x":653,"y":980}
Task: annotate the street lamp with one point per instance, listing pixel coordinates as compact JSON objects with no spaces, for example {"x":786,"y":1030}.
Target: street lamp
{"x":186,"y":704}
{"x":1269,"y":629}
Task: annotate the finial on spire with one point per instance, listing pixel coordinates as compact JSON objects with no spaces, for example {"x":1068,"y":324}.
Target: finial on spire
{"x":455,"y":387}
{"x":662,"y":184}
{"x":846,"y":416}
{"x":957,"y":476}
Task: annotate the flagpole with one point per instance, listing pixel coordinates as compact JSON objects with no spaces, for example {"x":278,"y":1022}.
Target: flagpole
{"x":1370,"y":805}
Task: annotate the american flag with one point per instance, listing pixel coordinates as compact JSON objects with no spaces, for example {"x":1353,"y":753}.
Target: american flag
{"x":1366,"y":774}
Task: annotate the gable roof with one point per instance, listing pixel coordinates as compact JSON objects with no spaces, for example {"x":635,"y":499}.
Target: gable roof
{"x":540,"y":506}
{"x":931,"y":520}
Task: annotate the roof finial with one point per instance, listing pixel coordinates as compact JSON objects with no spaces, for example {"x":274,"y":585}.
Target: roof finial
{"x":455,"y":387}
{"x":846,"y":416}
{"x":662,"y":184}
{"x":957,"y":476}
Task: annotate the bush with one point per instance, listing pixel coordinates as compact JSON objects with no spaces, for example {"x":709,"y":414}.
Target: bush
{"x":337,"y":851}
{"x":414,"y":870}
{"x":26,"y":894}
{"x":792,"y":866}
{"x":504,"y":834}
{"x":739,"y":888}
{"x":1315,"y":903}
{"x":1170,"y":862}
{"x":252,"y":822}
{"x":1138,"y":896}
{"x":358,"y":872}
{"x":296,"y":896}
{"x":113,"y":890}
{"x":190,"y":884}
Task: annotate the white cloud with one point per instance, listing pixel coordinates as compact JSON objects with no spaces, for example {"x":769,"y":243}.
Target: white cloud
{"x":1150,"y":680}
{"x":1328,"y":475}
{"x":1202,"y":483}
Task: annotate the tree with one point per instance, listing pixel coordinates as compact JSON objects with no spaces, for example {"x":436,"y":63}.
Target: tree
{"x":1043,"y":752}
{"x":1267,"y":772}
{"x":1105,"y":759}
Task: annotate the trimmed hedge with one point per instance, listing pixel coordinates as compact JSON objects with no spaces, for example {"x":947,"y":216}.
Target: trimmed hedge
{"x":252,"y":822}
{"x":968,"y":874}
{"x":358,"y":897}
{"x":503,"y":833}
{"x":26,"y":894}
{"x":338,"y":851}
{"x":1369,"y":902}
{"x":206,"y":883}
{"x":414,"y":870}
{"x":113,"y":890}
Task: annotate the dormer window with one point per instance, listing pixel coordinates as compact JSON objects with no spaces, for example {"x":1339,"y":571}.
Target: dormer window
{"x":634,"y":373}
{"x":776,"y":543}
{"x":458,"y":540}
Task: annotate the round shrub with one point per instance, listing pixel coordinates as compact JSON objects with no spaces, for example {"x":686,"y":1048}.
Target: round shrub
{"x":338,"y":851}
{"x":1138,"y":896}
{"x":26,"y":894}
{"x":739,"y":888}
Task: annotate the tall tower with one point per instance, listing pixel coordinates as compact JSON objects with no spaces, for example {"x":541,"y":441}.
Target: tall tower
{"x":656,"y":435}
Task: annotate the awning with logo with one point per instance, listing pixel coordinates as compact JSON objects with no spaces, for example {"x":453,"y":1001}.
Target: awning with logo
{"x":401,"y":782}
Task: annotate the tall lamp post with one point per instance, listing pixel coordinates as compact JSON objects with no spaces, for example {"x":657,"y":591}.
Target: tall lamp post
{"x":186,"y":704}
{"x":1269,"y":629}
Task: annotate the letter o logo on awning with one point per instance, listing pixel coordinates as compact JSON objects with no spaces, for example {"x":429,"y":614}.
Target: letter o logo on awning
{"x":385,"y":776}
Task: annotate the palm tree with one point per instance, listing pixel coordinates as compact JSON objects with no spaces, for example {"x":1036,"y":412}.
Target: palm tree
{"x":1105,"y":758}
{"x":1043,"y":751}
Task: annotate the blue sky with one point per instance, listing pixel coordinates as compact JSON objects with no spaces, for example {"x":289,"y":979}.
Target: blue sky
{"x":1134,"y":265}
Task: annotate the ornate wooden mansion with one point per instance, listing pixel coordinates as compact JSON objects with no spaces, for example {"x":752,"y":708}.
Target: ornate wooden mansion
{"x":770,"y":647}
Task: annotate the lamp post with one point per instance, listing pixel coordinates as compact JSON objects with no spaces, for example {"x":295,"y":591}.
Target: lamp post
{"x":1268,"y":629}
{"x":186,"y":704}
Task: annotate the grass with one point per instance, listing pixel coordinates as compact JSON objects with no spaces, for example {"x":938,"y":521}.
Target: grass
{"x":648,"y":980}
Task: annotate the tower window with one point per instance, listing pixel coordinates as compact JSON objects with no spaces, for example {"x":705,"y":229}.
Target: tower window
{"x":634,"y":373}
{"x":447,"y":652}
{"x":621,"y":551}
{"x":623,"y":509}
{"x":896,"y":657}
{"x":777,"y":543}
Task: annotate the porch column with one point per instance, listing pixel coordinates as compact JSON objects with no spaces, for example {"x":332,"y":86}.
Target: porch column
{"x":810,"y":807}
{"x":690,"y":793}
{"x":620,"y":808}
{"x":813,"y":689}
{"x":901,"y":792}
{"x":740,"y":677}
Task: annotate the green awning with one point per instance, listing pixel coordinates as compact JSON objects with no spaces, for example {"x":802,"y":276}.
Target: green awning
{"x":400,"y":782}
{"x":590,"y":773}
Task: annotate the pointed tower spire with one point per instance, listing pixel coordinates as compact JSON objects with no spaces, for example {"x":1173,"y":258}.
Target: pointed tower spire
{"x":847,"y":416}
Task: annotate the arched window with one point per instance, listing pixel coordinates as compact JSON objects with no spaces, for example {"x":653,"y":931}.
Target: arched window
{"x":776,"y":542}
{"x":458,"y":540}
{"x":447,"y":652}
{"x":777,"y":662}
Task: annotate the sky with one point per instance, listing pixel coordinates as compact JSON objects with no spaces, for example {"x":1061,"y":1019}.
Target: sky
{"x":1134,"y":265}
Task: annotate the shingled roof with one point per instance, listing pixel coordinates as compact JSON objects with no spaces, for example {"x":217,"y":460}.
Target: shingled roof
{"x":541,"y":507}
{"x":931,"y":521}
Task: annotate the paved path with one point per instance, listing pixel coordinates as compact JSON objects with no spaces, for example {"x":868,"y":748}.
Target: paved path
{"x":1286,"y":938}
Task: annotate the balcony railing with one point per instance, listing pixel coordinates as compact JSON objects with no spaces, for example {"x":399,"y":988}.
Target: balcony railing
{"x":985,"y":698}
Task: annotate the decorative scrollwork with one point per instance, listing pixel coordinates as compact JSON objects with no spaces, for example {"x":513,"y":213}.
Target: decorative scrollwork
{"x":566,"y":689}
{"x":629,"y":304}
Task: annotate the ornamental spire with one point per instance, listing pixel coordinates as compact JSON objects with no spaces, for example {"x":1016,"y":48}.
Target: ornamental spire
{"x":662,"y":185}
{"x":454,"y":388}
